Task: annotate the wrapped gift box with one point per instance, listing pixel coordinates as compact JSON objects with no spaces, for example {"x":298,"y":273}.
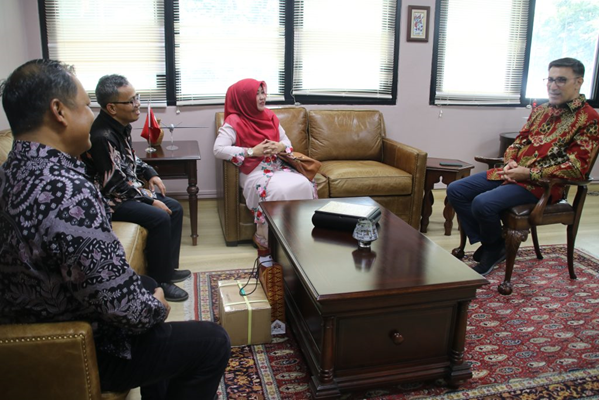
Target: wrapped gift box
{"x":245,"y":318}
{"x":271,"y":279}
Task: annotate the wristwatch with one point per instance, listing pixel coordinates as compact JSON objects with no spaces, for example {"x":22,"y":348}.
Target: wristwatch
{"x":251,"y":151}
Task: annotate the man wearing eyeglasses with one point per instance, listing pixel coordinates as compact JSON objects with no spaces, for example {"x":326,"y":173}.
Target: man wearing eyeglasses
{"x":556,"y":142}
{"x":121,"y":175}
{"x":60,"y":260}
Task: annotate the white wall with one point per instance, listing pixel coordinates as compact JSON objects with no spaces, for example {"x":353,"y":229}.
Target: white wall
{"x":20,"y":33}
{"x":461,"y":132}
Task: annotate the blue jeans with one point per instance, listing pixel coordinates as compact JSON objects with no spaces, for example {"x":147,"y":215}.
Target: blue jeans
{"x":164,"y":233}
{"x":479,"y":202}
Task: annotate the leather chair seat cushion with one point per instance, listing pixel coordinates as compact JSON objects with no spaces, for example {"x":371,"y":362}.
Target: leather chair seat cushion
{"x":560,"y":212}
{"x":133,"y":238}
{"x":365,"y":178}
{"x":524,"y":210}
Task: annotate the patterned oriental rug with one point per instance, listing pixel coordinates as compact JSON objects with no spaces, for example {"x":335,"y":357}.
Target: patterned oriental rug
{"x":542,"y":342}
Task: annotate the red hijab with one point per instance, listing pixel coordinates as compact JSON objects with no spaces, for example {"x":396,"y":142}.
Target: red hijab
{"x":252,"y":126}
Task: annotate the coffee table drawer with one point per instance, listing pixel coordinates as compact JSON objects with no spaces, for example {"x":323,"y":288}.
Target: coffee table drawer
{"x":392,"y":338}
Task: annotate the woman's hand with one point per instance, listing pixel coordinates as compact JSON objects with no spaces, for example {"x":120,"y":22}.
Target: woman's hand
{"x":272,"y":147}
{"x":268,"y":148}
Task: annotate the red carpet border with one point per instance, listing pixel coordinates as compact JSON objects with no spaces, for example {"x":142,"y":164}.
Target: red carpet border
{"x":542,"y":342}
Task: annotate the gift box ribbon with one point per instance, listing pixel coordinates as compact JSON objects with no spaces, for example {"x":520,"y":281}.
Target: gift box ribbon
{"x":247,"y":302}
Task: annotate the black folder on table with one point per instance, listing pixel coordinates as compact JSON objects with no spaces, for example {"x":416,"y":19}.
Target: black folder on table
{"x":344,"y":216}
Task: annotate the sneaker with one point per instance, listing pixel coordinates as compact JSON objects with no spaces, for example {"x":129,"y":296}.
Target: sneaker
{"x":180,"y":275}
{"x":173,"y":292}
{"x":489,"y":260}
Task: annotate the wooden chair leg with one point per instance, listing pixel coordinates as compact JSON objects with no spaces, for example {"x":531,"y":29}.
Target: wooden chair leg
{"x":513,"y":238}
{"x":458,"y":252}
{"x":571,"y":237}
{"x":535,"y":241}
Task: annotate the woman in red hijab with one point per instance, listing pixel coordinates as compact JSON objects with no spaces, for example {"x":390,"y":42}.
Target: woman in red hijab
{"x":250,"y":138}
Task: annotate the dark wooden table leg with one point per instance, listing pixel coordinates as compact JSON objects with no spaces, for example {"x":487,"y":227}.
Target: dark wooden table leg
{"x":448,"y":213}
{"x":460,"y":370}
{"x":192,"y":190}
{"x":428,"y":200}
{"x":323,"y":385}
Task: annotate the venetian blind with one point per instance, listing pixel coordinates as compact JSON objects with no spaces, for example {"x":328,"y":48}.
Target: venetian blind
{"x":218,"y":43}
{"x":344,"y":48}
{"x":101,"y":37}
{"x":481,"y":51}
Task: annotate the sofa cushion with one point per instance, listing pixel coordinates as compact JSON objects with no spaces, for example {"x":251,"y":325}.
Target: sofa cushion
{"x":365,"y":178}
{"x":133,"y":238}
{"x":346,"y":134}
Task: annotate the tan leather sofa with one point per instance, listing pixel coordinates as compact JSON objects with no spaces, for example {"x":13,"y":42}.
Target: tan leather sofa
{"x":357,"y":160}
{"x":57,"y":361}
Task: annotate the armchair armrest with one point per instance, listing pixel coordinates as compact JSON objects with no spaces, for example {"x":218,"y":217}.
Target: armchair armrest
{"x":490,"y":161}
{"x":49,"y":360}
{"x":404,"y":157}
{"x":227,"y":193}
{"x":536,"y":215}
{"x":413,"y":161}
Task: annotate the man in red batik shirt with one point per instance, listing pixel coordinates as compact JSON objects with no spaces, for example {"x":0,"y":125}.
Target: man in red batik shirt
{"x":556,"y":142}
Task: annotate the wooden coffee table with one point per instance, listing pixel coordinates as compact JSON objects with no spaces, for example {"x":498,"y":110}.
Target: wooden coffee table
{"x":362,"y":319}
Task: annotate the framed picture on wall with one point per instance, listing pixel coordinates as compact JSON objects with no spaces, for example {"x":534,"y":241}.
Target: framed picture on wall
{"x":418,"y":17}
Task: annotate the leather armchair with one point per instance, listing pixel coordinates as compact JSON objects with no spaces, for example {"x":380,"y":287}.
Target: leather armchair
{"x":50,"y":361}
{"x":357,"y":160}
{"x":57,"y":361}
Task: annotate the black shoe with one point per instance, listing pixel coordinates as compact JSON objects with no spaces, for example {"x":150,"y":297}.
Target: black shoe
{"x":173,"y":292}
{"x":478,"y":254}
{"x":180,"y":275}
{"x":489,"y":260}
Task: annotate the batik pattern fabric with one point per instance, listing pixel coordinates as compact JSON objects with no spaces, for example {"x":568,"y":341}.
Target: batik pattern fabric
{"x":112,"y":162}
{"x":555,"y":142}
{"x":59,"y":258}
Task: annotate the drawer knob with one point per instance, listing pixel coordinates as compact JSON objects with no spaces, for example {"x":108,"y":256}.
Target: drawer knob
{"x":396,"y":337}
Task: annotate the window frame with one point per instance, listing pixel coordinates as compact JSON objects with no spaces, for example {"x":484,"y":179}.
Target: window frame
{"x":288,"y":62}
{"x":524,"y":101}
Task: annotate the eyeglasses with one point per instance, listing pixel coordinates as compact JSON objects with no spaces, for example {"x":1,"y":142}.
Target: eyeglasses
{"x":559,"y":81}
{"x":135,"y":99}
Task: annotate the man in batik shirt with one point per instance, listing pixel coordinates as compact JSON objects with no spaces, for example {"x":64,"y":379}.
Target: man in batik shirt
{"x":121,"y":175}
{"x":557,"y":141}
{"x":60,"y":260}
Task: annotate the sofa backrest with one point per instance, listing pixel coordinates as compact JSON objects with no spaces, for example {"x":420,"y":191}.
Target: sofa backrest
{"x":346,"y":134}
{"x":295,"y":122}
{"x":5,"y":144}
{"x":293,"y":119}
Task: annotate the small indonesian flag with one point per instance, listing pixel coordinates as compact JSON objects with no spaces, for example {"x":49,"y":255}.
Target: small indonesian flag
{"x":151,"y":129}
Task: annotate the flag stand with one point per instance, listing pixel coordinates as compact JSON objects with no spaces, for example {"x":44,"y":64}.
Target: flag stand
{"x":150,"y":149}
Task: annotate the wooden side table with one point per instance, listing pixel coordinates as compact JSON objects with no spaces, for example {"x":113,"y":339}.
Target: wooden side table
{"x":434,"y":172}
{"x":177,"y":164}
